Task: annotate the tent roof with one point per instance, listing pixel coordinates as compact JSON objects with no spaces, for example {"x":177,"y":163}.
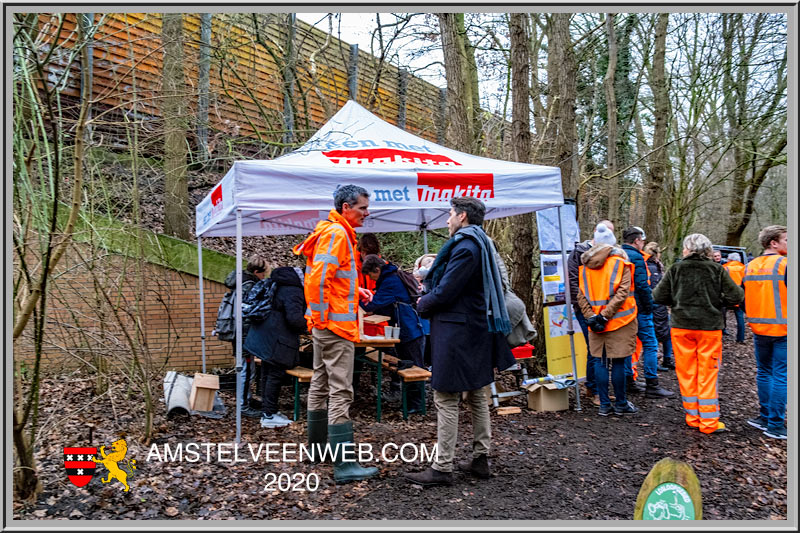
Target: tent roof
{"x":410,"y":181}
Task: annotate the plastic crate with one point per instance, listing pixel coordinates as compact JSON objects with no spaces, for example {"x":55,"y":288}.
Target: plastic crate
{"x":523,"y":352}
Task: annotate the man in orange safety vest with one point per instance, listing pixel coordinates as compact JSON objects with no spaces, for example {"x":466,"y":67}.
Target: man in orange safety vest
{"x":765,"y":306}
{"x":332,"y":294}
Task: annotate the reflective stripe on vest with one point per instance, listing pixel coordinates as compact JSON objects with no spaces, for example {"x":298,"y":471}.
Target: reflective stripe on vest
{"x":613,"y":268}
{"x":765,"y":295}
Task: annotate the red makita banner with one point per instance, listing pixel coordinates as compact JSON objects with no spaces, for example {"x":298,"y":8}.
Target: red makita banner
{"x":442,"y":186}
{"x":387,"y":155}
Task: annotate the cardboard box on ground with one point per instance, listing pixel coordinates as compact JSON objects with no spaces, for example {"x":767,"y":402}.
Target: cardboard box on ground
{"x":547,"y":397}
{"x":203,"y":388}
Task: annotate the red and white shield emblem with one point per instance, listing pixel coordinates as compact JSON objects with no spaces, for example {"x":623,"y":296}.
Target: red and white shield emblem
{"x":80,"y":465}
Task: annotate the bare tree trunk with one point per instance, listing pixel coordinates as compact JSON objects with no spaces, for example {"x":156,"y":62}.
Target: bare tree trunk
{"x":173,"y":111}
{"x":611,"y":122}
{"x":658,"y":159}
{"x":459,"y":122}
{"x":561,"y":118}
{"x":522,"y":255}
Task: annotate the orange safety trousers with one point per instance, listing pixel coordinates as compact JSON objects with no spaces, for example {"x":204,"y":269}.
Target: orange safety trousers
{"x":637,"y":353}
{"x":698,"y":355}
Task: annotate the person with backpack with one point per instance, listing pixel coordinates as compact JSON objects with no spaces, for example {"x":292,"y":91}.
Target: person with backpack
{"x":255,"y":271}
{"x":275,"y":339}
{"x":396,"y":293}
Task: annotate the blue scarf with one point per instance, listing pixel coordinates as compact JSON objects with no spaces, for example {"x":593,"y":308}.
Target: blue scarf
{"x":496,"y":312}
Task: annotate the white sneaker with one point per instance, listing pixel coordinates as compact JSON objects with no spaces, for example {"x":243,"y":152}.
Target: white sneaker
{"x":274,"y":421}
{"x":282,"y":416}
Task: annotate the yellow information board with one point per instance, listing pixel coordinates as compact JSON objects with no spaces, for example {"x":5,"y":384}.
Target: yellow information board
{"x":559,"y":356}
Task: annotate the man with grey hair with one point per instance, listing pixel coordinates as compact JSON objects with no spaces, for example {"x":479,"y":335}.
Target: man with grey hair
{"x":332,"y":295}
{"x":697,"y":288}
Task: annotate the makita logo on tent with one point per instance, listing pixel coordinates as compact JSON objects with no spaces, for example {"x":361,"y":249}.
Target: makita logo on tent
{"x":388,"y":156}
{"x":441,"y":186}
{"x":216,"y":195}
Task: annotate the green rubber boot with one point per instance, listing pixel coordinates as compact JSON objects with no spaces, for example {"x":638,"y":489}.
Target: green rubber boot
{"x":317,"y":432}
{"x":346,"y":471}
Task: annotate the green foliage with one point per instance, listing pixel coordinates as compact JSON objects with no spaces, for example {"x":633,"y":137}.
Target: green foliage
{"x":403,"y":248}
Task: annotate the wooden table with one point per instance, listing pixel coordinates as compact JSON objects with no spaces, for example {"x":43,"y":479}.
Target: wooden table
{"x":378,"y":345}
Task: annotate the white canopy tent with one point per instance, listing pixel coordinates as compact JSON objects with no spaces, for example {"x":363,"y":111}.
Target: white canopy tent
{"x":410,"y":181}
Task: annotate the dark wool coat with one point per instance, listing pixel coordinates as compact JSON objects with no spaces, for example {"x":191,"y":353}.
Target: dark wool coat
{"x":643,"y":293}
{"x":463,"y":351}
{"x":277,"y":339}
{"x":391,"y":299}
{"x":660,"y":312}
{"x":697,"y":289}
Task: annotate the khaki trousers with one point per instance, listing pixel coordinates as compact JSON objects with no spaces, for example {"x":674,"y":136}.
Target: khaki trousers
{"x":331,"y":384}
{"x":447,"y":425}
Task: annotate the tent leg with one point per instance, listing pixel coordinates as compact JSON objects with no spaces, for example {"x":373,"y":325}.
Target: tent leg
{"x":425,"y":239}
{"x":202,"y":301}
{"x":568,"y":309}
{"x":238,"y":309}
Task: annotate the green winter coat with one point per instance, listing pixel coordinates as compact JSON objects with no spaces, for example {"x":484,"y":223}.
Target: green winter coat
{"x":697,"y":289}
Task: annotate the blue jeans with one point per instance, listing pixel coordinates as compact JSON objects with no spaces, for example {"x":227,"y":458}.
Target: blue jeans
{"x":739,"y":323}
{"x":617,"y":379}
{"x":590,"y":365}
{"x":245,"y":375}
{"x":646,"y":334}
{"x":771,"y":379}
{"x":666,"y":349}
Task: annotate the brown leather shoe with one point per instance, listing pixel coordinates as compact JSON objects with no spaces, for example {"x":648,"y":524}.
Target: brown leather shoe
{"x":430,"y":478}
{"x":478,"y":467}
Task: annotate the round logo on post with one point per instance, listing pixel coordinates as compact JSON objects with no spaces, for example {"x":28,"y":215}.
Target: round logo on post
{"x":668,"y":501}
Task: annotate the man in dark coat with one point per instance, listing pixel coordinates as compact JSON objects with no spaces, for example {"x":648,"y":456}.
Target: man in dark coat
{"x":469,"y":322}
{"x":276,"y":341}
{"x":633,"y":242}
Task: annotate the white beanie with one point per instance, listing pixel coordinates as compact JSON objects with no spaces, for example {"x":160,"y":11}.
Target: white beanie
{"x":603,"y":235}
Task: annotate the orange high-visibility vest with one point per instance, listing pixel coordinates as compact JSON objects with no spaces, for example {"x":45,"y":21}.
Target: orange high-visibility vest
{"x":735,"y":270}
{"x":764,"y":285}
{"x":645,"y":256}
{"x":331,"y":279}
{"x":599,"y":286}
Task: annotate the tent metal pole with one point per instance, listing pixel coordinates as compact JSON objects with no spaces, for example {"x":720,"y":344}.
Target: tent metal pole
{"x":568,"y":309}
{"x":202,"y":301}
{"x":238,"y":314}
{"x":425,"y":239}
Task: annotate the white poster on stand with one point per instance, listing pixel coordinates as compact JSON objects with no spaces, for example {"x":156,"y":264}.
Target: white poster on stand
{"x":550,"y":230}
{"x":553,"y":287}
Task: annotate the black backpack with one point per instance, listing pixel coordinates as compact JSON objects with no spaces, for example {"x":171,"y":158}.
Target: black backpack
{"x":411,"y":284}
{"x":258,"y":301}
{"x":226,"y":320}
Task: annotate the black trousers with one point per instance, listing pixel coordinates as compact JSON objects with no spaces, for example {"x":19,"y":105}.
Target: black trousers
{"x":271,"y":380}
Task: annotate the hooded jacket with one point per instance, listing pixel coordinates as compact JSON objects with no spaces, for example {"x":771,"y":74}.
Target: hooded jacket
{"x":620,"y":342}
{"x":277,"y":339}
{"x":331,"y":278}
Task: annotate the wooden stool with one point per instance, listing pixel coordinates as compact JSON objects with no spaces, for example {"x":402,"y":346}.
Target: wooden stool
{"x":411,"y":375}
{"x":299,"y":375}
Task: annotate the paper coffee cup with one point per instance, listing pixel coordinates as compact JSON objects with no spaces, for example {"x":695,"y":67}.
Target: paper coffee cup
{"x":395,"y":332}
